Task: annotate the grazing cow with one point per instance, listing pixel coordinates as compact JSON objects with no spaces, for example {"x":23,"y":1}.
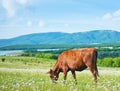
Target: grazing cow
{"x":75,"y":60}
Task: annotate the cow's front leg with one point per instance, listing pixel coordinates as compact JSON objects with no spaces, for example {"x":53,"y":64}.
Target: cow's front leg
{"x":74,"y":76}
{"x":65,"y":76}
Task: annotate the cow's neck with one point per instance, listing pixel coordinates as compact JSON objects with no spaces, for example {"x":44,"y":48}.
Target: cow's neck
{"x":56,"y":68}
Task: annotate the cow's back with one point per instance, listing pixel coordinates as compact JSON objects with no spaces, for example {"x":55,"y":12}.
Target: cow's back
{"x":76,"y":59}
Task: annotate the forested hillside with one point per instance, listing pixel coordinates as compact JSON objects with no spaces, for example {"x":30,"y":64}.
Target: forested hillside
{"x":96,"y":36}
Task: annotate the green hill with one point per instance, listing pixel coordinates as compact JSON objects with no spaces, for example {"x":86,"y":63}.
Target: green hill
{"x":96,"y":36}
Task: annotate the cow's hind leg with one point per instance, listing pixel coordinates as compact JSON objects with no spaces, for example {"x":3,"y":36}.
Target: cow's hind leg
{"x":94,"y":73}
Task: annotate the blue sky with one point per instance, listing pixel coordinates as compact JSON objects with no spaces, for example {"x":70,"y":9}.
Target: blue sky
{"x":20,"y":17}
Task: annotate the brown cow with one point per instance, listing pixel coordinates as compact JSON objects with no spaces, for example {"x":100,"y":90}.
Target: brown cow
{"x":75,"y":60}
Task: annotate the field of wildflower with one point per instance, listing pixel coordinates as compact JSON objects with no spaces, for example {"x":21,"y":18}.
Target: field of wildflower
{"x":20,"y":76}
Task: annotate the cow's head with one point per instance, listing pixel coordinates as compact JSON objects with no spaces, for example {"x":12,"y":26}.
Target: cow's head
{"x":53,"y":75}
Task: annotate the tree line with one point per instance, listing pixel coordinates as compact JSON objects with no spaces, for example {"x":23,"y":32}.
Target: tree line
{"x":109,"y":62}
{"x":108,"y":54}
{"x":106,"y":58}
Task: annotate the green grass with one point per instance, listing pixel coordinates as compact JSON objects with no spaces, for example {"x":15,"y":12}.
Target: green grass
{"x":27,"y":81}
{"x":29,"y":74}
{"x":26,"y":62}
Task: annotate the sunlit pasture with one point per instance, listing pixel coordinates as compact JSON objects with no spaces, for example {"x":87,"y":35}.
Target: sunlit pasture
{"x":31,"y":76}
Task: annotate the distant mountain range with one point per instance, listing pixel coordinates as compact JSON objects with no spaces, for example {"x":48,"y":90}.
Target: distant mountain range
{"x":96,"y":36}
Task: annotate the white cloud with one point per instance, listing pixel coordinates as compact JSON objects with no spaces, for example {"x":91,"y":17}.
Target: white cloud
{"x":66,"y":24}
{"x":41,"y":23}
{"x":12,"y":6}
{"x":29,"y":23}
{"x":9,"y":5}
{"x":107,"y":16}
{"x":21,"y":1}
{"x":114,"y":16}
{"x":116,"y":13}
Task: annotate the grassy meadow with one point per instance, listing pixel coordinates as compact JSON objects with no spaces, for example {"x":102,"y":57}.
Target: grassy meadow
{"x":29,"y":74}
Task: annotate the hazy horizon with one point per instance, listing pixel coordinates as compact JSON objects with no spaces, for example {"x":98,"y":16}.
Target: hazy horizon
{"x":21,"y":17}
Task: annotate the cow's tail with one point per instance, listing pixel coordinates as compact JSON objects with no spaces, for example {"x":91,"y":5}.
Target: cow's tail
{"x":96,"y":55}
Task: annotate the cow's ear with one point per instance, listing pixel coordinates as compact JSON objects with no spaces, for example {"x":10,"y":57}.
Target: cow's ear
{"x":49,"y":71}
